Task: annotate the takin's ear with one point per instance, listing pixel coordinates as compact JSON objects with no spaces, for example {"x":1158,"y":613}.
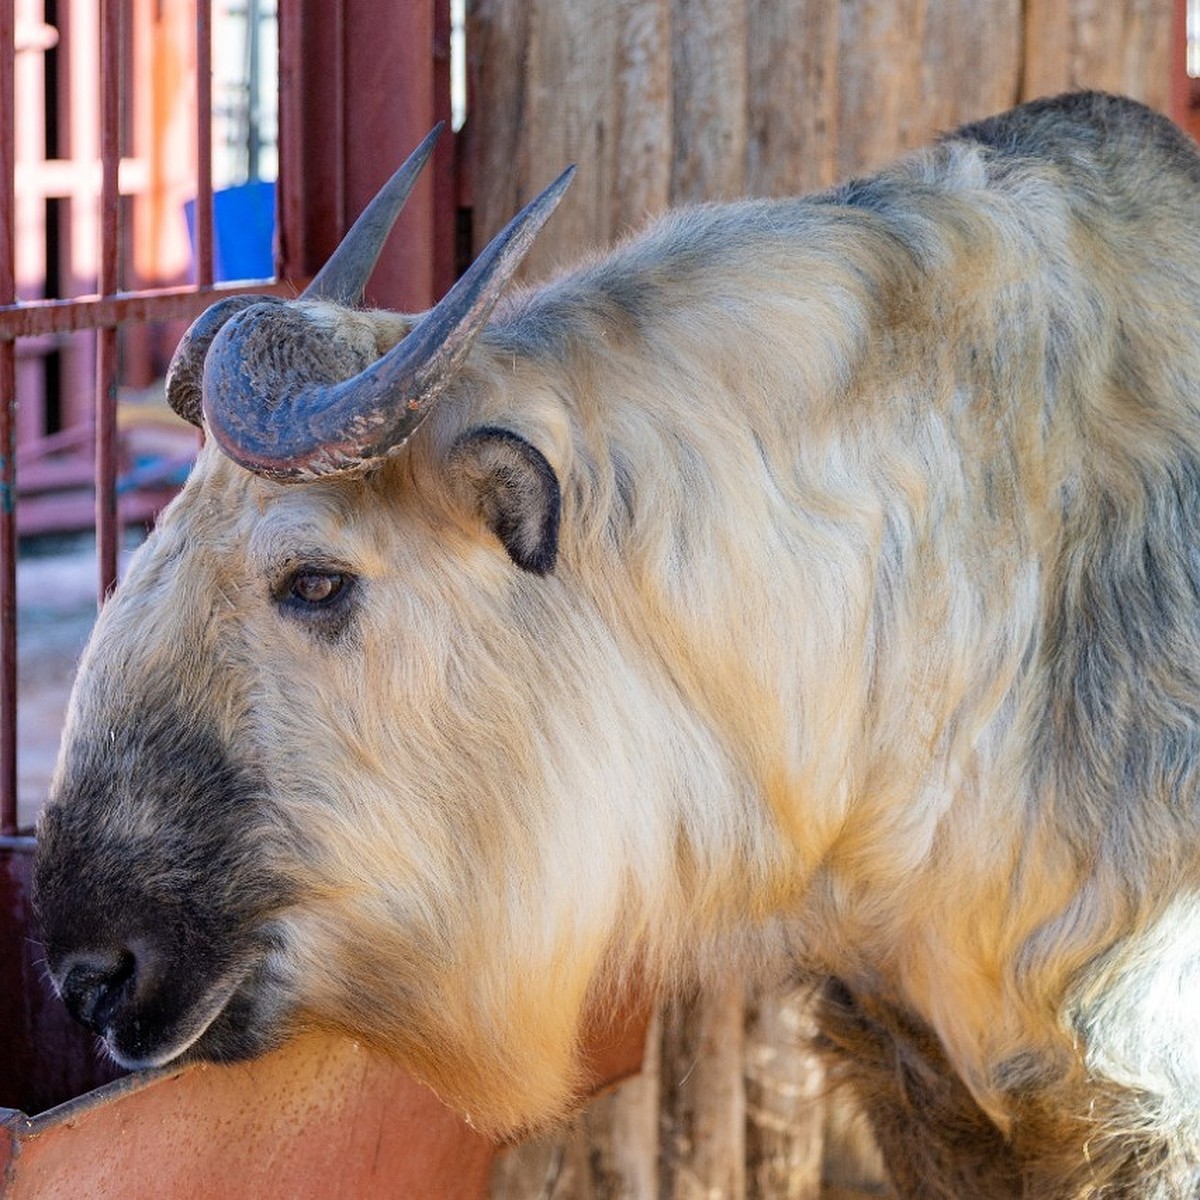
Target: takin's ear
{"x":517,"y":492}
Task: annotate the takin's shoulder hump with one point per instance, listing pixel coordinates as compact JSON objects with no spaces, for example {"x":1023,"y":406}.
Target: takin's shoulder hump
{"x":1095,"y":125}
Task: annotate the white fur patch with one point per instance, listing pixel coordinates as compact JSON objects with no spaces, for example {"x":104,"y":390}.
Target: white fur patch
{"x":1142,"y":1016}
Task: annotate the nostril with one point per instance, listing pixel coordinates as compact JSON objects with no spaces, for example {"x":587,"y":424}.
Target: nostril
{"x":94,"y":984}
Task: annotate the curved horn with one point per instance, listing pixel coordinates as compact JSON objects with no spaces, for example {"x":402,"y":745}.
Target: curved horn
{"x":186,"y":372}
{"x":343,"y":278}
{"x":291,"y":428}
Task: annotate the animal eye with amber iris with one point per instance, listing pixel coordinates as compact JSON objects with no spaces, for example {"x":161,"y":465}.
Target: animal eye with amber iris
{"x":310,"y":591}
{"x":316,"y":587}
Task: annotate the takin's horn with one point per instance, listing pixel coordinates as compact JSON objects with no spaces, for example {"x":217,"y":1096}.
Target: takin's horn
{"x":185,"y":375}
{"x":341,"y":280}
{"x":284,"y":425}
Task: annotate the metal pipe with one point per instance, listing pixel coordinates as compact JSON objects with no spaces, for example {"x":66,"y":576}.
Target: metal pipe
{"x":204,"y":188}
{"x":253,"y":90}
{"x":8,"y":401}
{"x":107,"y":524}
{"x":42,"y":318}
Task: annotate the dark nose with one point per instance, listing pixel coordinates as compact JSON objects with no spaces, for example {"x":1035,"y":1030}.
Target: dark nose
{"x":95,"y":984}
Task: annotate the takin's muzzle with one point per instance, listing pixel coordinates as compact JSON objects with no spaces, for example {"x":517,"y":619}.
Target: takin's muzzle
{"x":156,"y":917}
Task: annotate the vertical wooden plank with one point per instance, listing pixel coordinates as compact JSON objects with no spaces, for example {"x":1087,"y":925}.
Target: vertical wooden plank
{"x":1123,"y":46}
{"x":609,"y":1152}
{"x":1146,"y":58}
{"x":536,"y":1168}
{"x":708,"y":159}
{"x":570,"y":98}
{"x":621,"y":1132}
{"x":785,"y":1086}
{"x":642,"y":135}
{"x":593,"y":87}
{"x":879,"y":81}
{"x":1048,"y":36}
{"x":793,"y":56}
{"x":498,"y":33}
{"x":571,"y":106}
{"x":970,"y":61}
{"x":557,"y":108}
{"x":703,"y":1150}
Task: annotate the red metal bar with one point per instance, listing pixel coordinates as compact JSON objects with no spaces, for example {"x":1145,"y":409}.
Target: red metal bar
{"x":345,"y":124}
{"x":386,"y":42}
{"x":107,"y":526}
{"x":311,"y":190}
{"x":204,"y":206}
{"x":8,"y":403}
{"x":39,"y":318}
{"x":445,"y":182}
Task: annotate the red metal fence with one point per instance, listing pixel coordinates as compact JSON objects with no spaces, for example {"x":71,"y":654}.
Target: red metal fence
{"x":360,"y":82}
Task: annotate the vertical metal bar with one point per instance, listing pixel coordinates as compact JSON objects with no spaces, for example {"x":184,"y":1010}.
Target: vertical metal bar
{"x":107,"y":525}
{"x":445,"y":182}
{"x":1181,"y":83}
{"x":386,"y":42}
{"x":253,"y":89}
{"x":8,"y":402}
{"x":290,"y":259}
{"x":312,"y":112}
{"x":204,"y":187}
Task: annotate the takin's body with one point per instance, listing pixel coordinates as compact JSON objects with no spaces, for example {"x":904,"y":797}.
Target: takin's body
{"x":858,"y":638}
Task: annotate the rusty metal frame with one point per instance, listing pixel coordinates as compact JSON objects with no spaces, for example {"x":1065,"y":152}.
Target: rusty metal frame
{"x":105,"y":313}
{"x":8,"y":440}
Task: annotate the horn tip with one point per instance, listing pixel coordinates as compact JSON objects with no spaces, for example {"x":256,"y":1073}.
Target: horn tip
{"x":422,"y":152}
{"x":564,"y":180}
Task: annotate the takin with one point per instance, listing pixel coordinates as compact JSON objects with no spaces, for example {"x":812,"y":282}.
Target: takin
{"x":804,"y":588}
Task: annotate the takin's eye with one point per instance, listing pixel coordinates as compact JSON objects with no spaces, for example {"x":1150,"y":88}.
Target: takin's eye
{"x":320,"y":595}
{"x":317,"y":588}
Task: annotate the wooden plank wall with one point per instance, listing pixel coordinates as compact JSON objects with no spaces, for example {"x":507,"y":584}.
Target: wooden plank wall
{"x":662,"y":102}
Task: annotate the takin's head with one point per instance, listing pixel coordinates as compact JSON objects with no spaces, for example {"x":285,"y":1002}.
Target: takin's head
{"x":313,"y":775}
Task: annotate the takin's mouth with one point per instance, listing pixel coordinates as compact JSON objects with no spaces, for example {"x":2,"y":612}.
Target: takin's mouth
{"x":133,"y":1043}
{"x":146,"y":1023}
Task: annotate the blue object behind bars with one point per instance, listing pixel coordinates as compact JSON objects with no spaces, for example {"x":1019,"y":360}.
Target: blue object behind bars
{"x":243,"y":231}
